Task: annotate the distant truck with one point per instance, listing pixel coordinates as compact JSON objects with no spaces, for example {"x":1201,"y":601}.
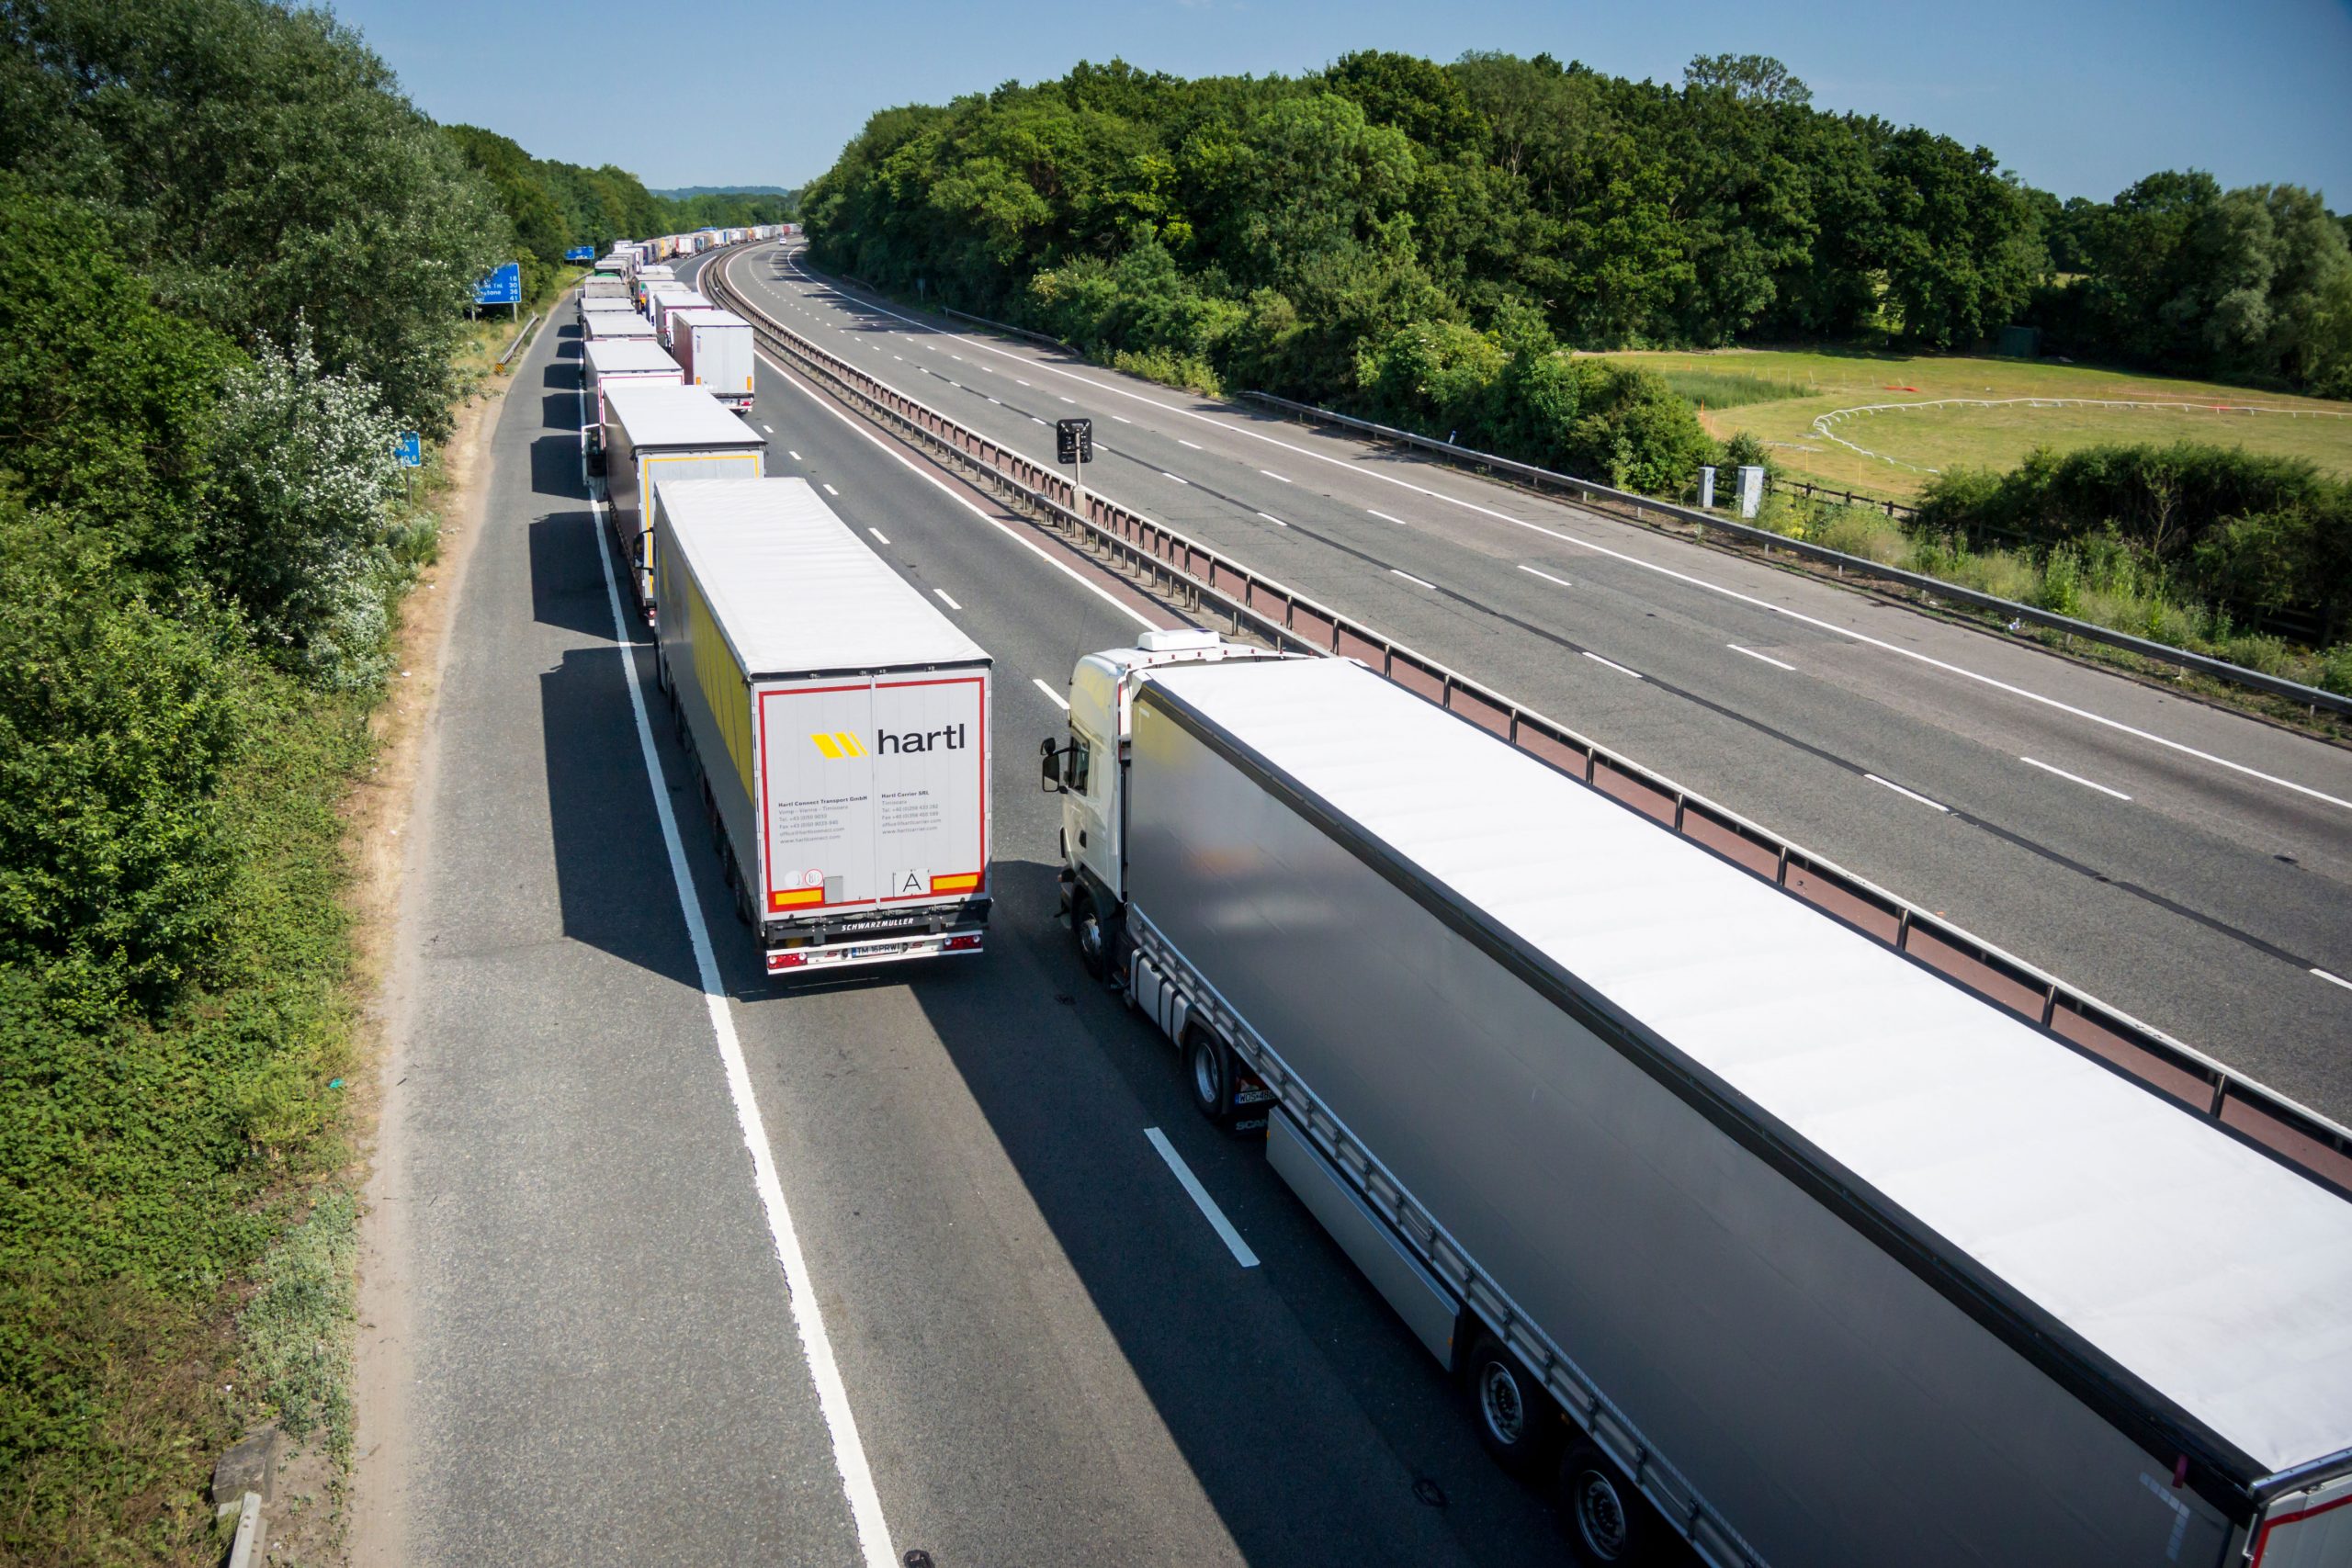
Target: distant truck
{"x":839,"y":722}
{"x":606,"y":288}
{"x":657,"y":435}
{"x":646,"y":279}
{"x":607,"y":363}
{"x":667,"y":302}
{"x":1737,"y":1226}
{"x":713,"y":348}
{"x":602,"y":324}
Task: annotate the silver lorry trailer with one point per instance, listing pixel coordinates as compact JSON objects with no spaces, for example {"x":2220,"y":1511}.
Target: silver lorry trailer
{"x":656,"y":434}
{"x":607,"y":363}
{"x":598,"y":325}
{"x":602,"y":287}
{"x":714,"y":350}
{"x":839,"y":722}
{"x":1738,"y":1226}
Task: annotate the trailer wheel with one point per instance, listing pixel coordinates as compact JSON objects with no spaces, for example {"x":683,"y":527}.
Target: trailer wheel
{"x":1093,"y":939}
{"x":1607,"y":1519}
{"x":1208,"y":1070}
{"x":1517,"y":1421}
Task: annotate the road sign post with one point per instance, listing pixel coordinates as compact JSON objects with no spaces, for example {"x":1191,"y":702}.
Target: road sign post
{"x":407,"y":451}
{"x":1074,"y":444}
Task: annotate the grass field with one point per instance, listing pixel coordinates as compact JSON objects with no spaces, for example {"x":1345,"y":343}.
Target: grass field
{"x":1781,"y":396}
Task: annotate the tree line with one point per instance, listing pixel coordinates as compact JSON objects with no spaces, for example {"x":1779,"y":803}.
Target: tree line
{"x":238,"y":261}
{"x":1396,"y":234}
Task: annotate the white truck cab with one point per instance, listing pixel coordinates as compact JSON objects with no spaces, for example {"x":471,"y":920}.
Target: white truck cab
{"x":1087,"y":770}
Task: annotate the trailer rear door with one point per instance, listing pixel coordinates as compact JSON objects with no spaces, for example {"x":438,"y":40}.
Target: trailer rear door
{"x":874,"y":789}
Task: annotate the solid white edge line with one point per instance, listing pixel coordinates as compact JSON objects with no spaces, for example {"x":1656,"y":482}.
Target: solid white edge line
{"x":879,"y":536}
{"x":800,"y":1286}
{"x":1760,"y":657}
{"x":1385,"y":518}
{"x":1411,"y":579}
{"x":947,"y":598}
{"x":1547,"y":576}
{"x":2074,"y":778}
{"x":1908,"y":794}
{"x":1058,"y":700}
{"x":1610,"y":662}
{"x":1698,"y":582}
{"x":2333,"y":980}
{"x":965,"y":502}
{"x":1202,"y":1201}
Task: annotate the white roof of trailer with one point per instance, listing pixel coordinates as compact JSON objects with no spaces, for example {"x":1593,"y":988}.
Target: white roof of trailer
{"x":662,"y":414}
{"x":629,"y":356}
{"x":615,"y":323}
{"x":2216,"y":1275}
{"x":793,"y":589}
{"x":709,"y":316}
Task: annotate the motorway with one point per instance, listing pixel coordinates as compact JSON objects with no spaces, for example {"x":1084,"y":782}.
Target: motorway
{"x":1015,"y":1336}
{"x":2189,"y":865}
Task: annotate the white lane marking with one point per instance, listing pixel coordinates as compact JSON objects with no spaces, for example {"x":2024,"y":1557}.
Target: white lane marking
{"x":1911,"y":794}
{"x":1123,"y":419}
{"x":1385,"y":518}
{"x":993,"y":401}
{"x":796,"y":456}
{"x":2333,"y":980}
{"x":1182,"y":442}
{"x":1060,"y":700}
{"x":1274,"y":520}
{"x":1072,"y":401}
{"x":1035,"y":420}
{"x":1178,"y":478}
{"x":831,"y":491}
{"x":879,"y":536}
{"x":1411,"y":579}
{"x":1684,"y":577}
{"x":956,"y":358}
{"x":1202,"y":1201}
{"x":769,"y":428}
{"x":1547,"y":576}
{"x":1761,"y":658}
{"x":2074,"y":778}
{"x":965,"y":501}
{"x":946,"y":598}
{"x":800,"y":1286}
{"x":1019,"y":382}
{"x":900,"y":360}
{"x":1611,"y":663}
{"x":1272,"y":475}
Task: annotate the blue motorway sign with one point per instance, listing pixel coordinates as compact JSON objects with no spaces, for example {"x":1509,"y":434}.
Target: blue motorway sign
{"x":580,"y":253}
{"x":408,"y":449}
{"x":504,"y":287}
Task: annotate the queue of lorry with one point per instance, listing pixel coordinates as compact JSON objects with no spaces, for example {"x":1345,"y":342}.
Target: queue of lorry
{"x":1751,"y":1238}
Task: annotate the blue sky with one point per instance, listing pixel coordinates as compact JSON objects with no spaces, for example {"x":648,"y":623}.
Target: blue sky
{"x":2080,"y":97}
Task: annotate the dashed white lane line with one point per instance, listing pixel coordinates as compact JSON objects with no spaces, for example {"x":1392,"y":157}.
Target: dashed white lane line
{"x":1700,"y":583}
{"x":1272,"y":475}
{"x":880,"y":536}
{"x":1544,"y":575}
{"x":898,"y":358}
{"x":1759,"y":657}
{"x":947,"y":599}
{"x":2074,"y":778}
{"x":1072,"y":401}
{"x":1123,"y":419}
{"x":1610,"y":663}
{"x":956,"y":358}
{"x":1411,"y":579}
{"x":993,"y":401}
{"x":1035,"y":420}
{"x":1019,"y":382}
{"x":1178,"y":478}
{"x":800,"y":1285}
{"x":831,"y":491}
{"x":1182,"y":442}
{"x":795,"y":456}
{"x":1385,"y":518}
{"x":2333,"y":980}
{"x":1202,"y":1201}
{"x":1908,"y":794}
{"x":1274,"y":520}
{"x":769,"y":428}
{"x":1057,"y":699}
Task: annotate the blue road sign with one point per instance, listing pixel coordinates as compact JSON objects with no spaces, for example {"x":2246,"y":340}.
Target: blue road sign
{"x":580,"y":253}
{"x":408,"y":447}
{"x":504,"y":287}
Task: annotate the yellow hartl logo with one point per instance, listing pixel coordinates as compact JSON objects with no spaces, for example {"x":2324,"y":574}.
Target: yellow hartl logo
{"x":838,"y":744}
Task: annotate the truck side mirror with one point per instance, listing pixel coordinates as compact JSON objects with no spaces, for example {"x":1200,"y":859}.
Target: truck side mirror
{"x":1048,"y":755}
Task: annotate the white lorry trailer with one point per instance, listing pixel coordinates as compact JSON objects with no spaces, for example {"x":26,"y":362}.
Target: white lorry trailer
{"x":604,"y":288}
{"x":1736,"y":1225}
{"x":607,"y":363}
{"x":656,"y":435}
{"x":647,"y":278}
{"x":839,"y":722}
{"x":668,"y":302}
{"x":713,"y":348}
{"x":599,"y":324}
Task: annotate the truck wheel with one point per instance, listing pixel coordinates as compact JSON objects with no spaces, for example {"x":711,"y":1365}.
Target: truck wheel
{"x":1517,"y":1422}
{"x":1093,"y":939}
{"x":1607,"y":1519}
{"x":1208,"y":1069}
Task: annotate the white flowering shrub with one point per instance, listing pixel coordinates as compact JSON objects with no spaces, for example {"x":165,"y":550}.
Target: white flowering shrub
{"x":300,"y":535}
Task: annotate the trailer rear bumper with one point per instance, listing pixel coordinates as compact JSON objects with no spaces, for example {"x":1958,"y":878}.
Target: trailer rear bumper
{"x":855,"y":940}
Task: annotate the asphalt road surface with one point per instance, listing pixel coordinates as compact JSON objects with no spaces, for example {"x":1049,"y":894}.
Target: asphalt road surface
{"x":2187,"y":865}
{"x":1047,"y":1352}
